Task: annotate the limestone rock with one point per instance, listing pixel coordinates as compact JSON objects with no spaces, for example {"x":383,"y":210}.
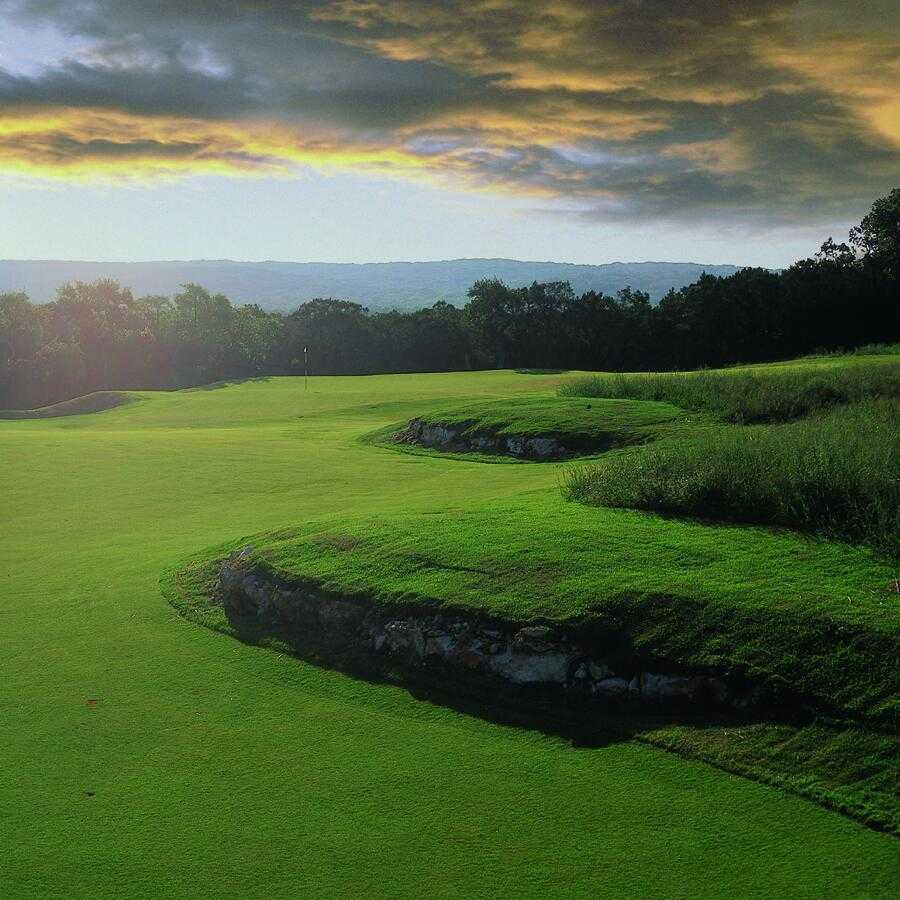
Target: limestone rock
{"x":453,"y":438}
{"x":656,"y":688}
{"x":480,"y":653}
{"x":532,"y":668}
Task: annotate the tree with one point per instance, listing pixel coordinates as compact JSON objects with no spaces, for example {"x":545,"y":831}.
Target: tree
{"x":19,"y":327}
{"x":338,"y":334}
{"x":877,"y":237}
{"x":490,"y":312}
{"x":201,"y":332}
{"x":254,"y":339}
{"x":97,"y":336}
{"x":20,"y":335}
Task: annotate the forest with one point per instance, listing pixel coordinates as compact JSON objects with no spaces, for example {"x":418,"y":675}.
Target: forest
{"x":98,"y":336}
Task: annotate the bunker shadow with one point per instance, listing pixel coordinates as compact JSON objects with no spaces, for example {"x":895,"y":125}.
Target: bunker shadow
{"x":567,"y":717}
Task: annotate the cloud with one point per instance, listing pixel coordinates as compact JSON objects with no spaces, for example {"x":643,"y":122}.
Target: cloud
{"x":770,"y":110}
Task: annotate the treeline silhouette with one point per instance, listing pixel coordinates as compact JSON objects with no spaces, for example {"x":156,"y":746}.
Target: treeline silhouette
{"x":99,"y":336}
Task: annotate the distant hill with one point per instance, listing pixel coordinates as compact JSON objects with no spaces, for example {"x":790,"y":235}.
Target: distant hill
{"x":393,"y":285}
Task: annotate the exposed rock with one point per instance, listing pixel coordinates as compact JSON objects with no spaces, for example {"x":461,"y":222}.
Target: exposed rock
{"x":534,"y":632}
{"x":456,"y":439}
{"x":551,"y":667}
{"x":404,"y":635}
{"x":596,"y":671}
{"x":543,"y":447}
{"x":517,"y":446}
{"x":454,"y":646}
{"x":614,"y":687}
{"x":485,"y":444}
{"x":664,"y":687}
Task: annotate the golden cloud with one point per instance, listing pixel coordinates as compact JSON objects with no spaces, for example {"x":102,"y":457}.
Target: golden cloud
{"x":666,"y":106}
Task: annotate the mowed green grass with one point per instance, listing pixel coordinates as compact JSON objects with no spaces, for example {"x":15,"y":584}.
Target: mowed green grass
{"x":535,"y":415}
{"x":208,"y":767}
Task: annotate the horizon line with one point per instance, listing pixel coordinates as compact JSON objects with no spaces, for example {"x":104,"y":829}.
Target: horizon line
{"x":388,"y":262}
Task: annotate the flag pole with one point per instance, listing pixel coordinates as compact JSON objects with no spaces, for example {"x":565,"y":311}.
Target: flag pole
{"x":305,"y":370}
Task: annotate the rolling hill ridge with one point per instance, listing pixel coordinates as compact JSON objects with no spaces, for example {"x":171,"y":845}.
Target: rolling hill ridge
{"x":380,"y":286}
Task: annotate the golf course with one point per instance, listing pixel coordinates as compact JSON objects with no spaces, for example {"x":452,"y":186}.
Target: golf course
{"x":148,"y":751}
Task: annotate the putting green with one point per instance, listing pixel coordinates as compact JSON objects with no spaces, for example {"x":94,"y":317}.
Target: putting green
{"x":144,"y":756}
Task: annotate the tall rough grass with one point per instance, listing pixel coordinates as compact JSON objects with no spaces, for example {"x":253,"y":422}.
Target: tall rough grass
{"x":837,"y":473}
{"x":862,"y":350}
{"x":773,"y":395}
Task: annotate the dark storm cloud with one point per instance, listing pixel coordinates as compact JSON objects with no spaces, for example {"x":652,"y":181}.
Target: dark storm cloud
{"x":634,"y":109}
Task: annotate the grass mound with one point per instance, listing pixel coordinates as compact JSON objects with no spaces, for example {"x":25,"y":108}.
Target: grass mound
{"x":760,"y":394}
{"x":585,"y":426}
{"x":89,"y":403}
{"x":815,"y":616}
{"x":529,"y":416}
{"x":684,"y":592}
{"x":837,"y":473}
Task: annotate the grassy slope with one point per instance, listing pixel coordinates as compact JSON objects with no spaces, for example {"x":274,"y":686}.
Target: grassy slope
{"x":89,"y":403}
{"x":530,"y":416}
{"x":220,"y":769}
{"x":759,"y":393}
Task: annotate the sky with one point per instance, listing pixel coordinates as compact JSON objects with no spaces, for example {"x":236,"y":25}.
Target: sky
{"x":369,"y":130}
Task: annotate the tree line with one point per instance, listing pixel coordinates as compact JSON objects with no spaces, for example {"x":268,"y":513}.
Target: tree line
{"x":99,"y":336}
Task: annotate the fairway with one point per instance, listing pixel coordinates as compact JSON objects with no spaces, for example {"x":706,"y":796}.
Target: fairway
{"x":147,"y":756}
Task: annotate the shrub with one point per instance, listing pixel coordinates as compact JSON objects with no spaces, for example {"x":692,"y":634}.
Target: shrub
{"x":837,"y":473}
